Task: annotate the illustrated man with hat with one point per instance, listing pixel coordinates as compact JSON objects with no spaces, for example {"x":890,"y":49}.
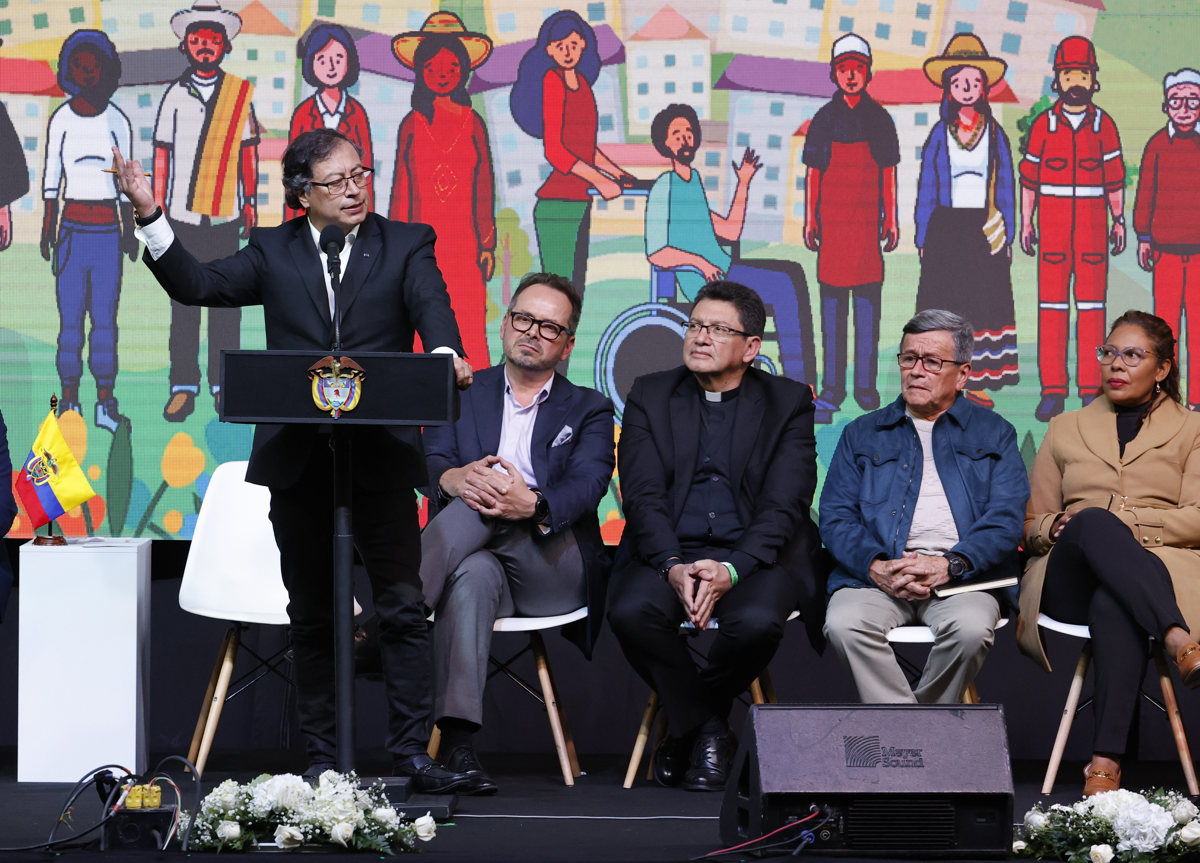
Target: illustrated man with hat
{"x":1164,"y":215}
{"x":1073,"y":177}
{"x":205,"y":128}
{"x":850,"y":206}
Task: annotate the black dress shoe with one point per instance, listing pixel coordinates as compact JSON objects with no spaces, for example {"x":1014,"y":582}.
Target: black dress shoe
{"x":429,"y":776}
{"x":462,"y":759}
{"x":709,"y":764}
{"x":315,"y":768}
{"x":671,"y":759}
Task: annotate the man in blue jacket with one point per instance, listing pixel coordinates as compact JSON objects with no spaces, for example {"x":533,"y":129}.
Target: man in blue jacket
{"x":927,"y":492}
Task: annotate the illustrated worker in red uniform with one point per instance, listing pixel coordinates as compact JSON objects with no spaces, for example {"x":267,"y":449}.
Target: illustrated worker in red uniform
{"x":1073,"y":177}
{"x":851,"y":153}
{"x":1164,"y":216}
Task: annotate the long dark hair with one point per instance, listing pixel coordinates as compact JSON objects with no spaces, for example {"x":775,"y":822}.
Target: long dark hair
{"x":318,"y":38}
{"x":949,"y":108}
{"x":1163,"y":340}
{"x":427,"y":49}
{"x":526,"y":96}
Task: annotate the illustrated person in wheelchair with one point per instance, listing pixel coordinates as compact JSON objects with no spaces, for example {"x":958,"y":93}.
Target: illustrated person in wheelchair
{"x":687,"y":238}
{"x":923,"y":493}
{"x":518,"y":479}
{"x":718,"y":469}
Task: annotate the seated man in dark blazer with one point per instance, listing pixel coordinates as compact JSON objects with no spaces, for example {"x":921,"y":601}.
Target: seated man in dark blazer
{"x":391,"y":288}
{"x":519,"y":477}
{"x":717,"y":462}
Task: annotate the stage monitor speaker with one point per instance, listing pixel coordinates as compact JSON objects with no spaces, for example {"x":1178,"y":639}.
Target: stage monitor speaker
{"x":888,"y":779}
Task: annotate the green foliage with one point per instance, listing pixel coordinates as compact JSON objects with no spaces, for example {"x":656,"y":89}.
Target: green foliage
{"x":1026,"y":123}
{"x":119,"y":478}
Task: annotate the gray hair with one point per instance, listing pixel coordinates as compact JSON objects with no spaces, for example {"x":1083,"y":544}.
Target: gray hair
{"x":959,"y":327}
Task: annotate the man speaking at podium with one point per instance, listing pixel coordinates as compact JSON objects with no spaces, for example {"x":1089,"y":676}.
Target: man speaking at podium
{"x":391,"y":287}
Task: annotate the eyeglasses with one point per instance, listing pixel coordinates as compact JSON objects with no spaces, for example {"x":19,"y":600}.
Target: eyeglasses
{"x":362,"y":180}
{"x":1106,"y":354}
{"x":548,"y":330}
{"x":1178,"y":102}
{"x":931,"y":364}
{"x":719,"y":332}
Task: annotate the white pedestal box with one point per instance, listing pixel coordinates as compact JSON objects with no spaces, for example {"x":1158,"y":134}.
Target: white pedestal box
{"x":84,"y":657}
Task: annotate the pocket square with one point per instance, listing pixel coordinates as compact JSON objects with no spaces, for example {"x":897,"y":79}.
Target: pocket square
{"x":564,"y":435}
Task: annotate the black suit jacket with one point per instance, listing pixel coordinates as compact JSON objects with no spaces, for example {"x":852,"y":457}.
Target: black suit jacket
{"x":773,"y":467}
{"x":392,"y":288}
{"x":572,"y":455}
{"x":8,"y":511}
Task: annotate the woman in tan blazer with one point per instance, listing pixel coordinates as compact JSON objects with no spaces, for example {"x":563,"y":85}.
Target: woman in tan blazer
{"x":1113,"y":527}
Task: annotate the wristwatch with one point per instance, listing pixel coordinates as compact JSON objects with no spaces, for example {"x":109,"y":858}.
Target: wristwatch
{"x":957,"y":566}
{"x":1119,"y":220}
{"x":665,"y":569}
{"x":541,"y":509}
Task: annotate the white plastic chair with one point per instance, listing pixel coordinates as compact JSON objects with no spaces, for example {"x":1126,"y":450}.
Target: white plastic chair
{"x":1169,"y":705}
{"x":232,"y":573}
{"x":917,"y":634}
{"x":564,"y":744}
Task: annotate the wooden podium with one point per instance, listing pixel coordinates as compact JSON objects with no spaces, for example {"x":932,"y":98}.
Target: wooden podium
{"x":397,"y":389}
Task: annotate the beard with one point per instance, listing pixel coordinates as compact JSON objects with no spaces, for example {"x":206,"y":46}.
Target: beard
{"x":685,"y":155}
{"x":537,"y":362}
{"x":1077,"y":96}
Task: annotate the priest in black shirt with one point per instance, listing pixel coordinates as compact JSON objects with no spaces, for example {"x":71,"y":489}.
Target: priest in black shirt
{"x":717,"y":462}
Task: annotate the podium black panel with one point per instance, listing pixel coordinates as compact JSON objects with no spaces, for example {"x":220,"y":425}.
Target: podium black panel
{"x":892,"y":780}
{"x":397,"y":389}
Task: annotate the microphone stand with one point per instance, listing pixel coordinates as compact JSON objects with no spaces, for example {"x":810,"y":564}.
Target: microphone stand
{"x":343,"y":557}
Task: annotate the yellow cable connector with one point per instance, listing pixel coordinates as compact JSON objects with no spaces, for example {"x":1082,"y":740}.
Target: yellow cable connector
{"x":152,"y":799}
{"x":135,"y":797}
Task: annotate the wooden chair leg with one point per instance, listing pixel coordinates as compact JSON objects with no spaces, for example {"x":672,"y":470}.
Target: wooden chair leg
{"x":552,"y":711}
{"x":217,"y":703}
{"x":643,"y":737}
{"x":435,"y":742}
{"x":1171,"y":705}
{"x":762,"y":690}
{"x":572,"y":756}
{"x":1068,"y":718}
{"x":206,"y":704}
{"x":971,"y":696}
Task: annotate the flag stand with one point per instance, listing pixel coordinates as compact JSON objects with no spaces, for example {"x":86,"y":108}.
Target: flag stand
{"x":51,"y":538}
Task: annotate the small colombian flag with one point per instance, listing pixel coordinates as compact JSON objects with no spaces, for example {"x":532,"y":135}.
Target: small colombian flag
{"x":51,"y":483}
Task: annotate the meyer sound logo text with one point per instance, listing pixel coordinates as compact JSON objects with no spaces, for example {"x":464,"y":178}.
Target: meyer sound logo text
{"x":866,"y":750}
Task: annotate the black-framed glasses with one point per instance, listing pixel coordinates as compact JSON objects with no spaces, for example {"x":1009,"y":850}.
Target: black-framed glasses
{"x":720,"y":332}
{"x":361,"y":179}
{"x":1178,"y":102}
{"x":548,"y":330}
{"x":1131,"y":356}
{"x":931,"y":364}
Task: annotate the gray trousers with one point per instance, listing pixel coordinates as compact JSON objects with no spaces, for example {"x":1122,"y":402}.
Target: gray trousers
{"x":475,"y":569}
{"x":857,"y":623}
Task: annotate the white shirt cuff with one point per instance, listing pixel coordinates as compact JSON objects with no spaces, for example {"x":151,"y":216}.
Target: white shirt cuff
{"x":158,"y":236}
{"x":444,"y":350}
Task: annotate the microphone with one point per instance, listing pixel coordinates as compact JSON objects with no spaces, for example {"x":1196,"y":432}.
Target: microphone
{"x":332,"y":240}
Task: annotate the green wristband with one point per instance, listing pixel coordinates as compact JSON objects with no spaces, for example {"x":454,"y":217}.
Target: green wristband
{"x":733,"y":576}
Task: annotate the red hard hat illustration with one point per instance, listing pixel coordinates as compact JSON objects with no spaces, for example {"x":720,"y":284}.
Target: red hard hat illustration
{"x":1075,"y":52}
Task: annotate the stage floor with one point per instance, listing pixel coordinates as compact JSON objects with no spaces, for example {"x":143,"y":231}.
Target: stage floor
{"x":534,"y":817}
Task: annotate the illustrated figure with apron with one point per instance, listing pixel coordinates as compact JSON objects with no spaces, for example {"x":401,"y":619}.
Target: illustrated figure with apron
{"x":851,"y":153}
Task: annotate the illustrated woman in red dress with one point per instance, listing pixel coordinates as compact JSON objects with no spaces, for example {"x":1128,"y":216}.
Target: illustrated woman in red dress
{"x":443,"y":172}
{"x":330,"y":65}
{"x":552,"y":100}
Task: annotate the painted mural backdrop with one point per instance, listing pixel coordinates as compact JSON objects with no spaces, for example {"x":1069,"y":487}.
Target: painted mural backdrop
{"x":1032,"y":164}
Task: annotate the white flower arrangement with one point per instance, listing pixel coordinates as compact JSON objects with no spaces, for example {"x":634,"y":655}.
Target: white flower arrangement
{"x":289,"y":813}
{"x":1114,"y":827}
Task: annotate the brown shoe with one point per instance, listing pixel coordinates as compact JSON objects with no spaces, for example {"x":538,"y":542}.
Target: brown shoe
{"x":179,"y":406}
{"x":1188,"y":663}
{"x":1097,"y":780}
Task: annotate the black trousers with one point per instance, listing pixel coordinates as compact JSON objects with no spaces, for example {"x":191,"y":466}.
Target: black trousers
{"x":1099,"y":575}
{"x":388,"y":539}
{"x":207,"y":243}
{"x":645,"y":613}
